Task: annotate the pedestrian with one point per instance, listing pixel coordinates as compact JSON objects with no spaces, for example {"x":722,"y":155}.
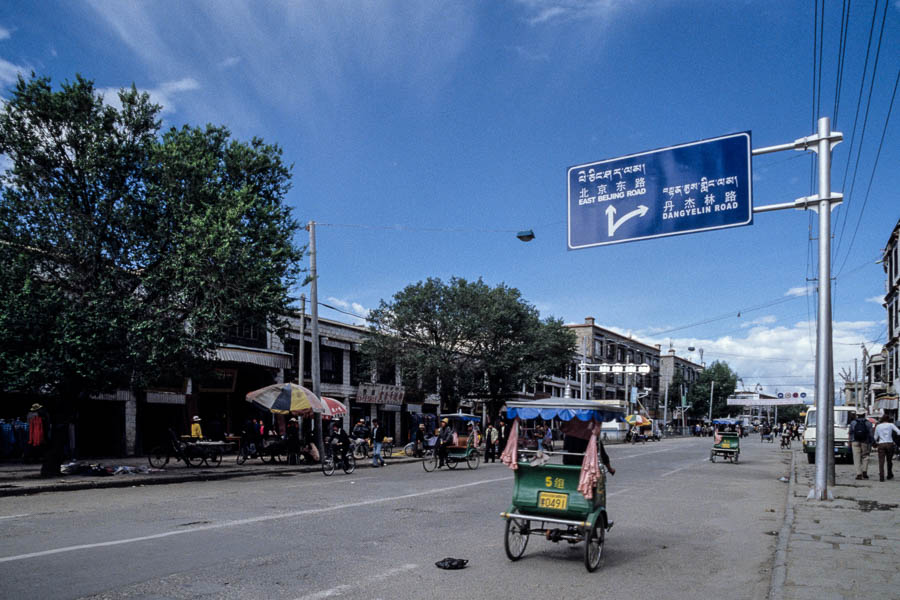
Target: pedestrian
{"x":378,"y":439}
{"x":196,"y":431}
{"x":884,"y":441}
{"x":504,"y":435}
{"x":861,"y":438}
{"x":548,"y":438}
{"x":292,"y":440}
{"x":445,"y":438}
{"x":491,"y":437}
{"x":421,"y":441}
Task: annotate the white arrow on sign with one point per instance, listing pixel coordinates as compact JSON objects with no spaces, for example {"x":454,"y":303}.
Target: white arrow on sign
{"x":641,"y":210}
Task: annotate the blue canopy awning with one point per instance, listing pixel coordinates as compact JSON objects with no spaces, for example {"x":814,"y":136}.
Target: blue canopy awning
{"x":565,"y":409}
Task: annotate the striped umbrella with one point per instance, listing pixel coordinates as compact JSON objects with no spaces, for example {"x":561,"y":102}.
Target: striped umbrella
{"x":333,"y":408}
{"x":639,"y":420}
{"x":287,"y":399}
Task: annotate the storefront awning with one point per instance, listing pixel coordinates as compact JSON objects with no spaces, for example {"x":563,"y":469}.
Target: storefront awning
{"x":254,"y":356}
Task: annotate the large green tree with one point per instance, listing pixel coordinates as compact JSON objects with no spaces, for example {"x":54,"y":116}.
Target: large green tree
{"x":466,"y":339}
{"x":722,"y":380}
{"x":127,"y":253}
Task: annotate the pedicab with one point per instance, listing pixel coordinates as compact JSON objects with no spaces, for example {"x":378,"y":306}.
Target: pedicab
{"x":726,"y":444}
{"x":464,"y":449}
{"x":560,"y":502}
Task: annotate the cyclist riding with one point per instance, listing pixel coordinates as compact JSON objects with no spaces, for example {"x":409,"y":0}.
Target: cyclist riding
{"x":340,"y":441}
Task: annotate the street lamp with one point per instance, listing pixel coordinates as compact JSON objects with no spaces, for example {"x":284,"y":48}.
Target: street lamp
{"x":526,"y":235}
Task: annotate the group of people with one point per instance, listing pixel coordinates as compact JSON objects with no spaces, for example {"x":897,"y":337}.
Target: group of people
{"x":863,"y":436}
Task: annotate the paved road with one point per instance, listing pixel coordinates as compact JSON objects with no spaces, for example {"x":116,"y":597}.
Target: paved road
{"x":685,"y":528}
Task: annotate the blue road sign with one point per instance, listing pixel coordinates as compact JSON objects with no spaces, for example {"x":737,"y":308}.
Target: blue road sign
{"x":688,"y":188}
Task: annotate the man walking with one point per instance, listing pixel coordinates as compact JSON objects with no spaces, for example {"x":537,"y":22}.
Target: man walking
{"x":378,"y":439}
{"x":491,"y":436}
{"x":861,"y":438}
{"x":884,"y":441}
{"x":445,"y":438}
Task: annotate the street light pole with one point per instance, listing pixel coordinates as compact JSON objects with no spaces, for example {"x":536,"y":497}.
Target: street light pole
{"x":712,"y":386}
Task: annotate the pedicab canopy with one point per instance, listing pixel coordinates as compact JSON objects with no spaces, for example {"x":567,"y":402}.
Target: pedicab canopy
{"x":727,"y":421}
{"x":581,"y":418}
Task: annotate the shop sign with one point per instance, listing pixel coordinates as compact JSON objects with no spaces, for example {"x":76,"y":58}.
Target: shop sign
{"x":379,"y":393}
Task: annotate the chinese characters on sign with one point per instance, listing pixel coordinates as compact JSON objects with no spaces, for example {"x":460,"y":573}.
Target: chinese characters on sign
{"x":378,"y":393}
{"x":682,"y":189}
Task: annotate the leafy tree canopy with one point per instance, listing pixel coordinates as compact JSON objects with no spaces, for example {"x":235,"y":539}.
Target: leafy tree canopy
{"x":698,"y":395}
{"x":125,"y":252}
{"x":466,"y":339}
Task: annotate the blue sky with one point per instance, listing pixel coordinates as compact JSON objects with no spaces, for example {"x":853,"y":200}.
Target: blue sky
{"x":425,"y":134}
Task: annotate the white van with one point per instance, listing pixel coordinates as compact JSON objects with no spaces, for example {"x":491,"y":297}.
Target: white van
{"x":841,"y":433}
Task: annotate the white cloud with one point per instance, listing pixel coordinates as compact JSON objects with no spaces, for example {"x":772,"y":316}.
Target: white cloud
{"x":4,"y":33}
{"x":800,"y":291}
{"x":547,"y":11}
{"x":229,"y":62}
{"x":9,"y":73}
{"x":766,"y":320}
{"x":778,"y":357}
{"x":359,"y":311}
{"x":879,"y":300}
{"x":164,"y":95}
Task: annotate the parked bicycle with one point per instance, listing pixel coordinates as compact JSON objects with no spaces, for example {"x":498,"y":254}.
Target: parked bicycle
{"x":360,"y":448}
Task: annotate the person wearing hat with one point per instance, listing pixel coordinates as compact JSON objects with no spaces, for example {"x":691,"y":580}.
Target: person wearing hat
{"x":196,"y":432}
{"x":445,"y":438}
{"x":292,"y":439}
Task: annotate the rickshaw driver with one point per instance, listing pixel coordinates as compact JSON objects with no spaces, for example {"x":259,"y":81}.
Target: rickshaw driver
{"x":577,"y":445}
{"x":445,"y":438}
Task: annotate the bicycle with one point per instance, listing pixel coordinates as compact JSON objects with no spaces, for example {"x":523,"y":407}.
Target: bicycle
{"x":387,"y":447}
{"x":348,"y":464}
{"x":360,"y":448}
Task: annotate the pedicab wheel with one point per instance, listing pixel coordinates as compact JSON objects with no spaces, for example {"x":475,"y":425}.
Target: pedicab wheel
{"x":452,"y":462}
{"x":193,"y":460}
{"x":328,"y":466}
{"x":349,"y":465}
{"x":268,"y":458}
{"x":472,"y":460}
{"x":214,"y":459}
{"x":430,"y":462}
{"x":158,"y":458}
{"x":359,"y":452}
{"x":516,"y":538}
{"x":593,"y":546}
{"x":410,"y":449}
{"x":241,"y":457}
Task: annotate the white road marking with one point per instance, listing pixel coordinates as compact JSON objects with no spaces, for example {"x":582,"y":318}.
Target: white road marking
{"x":249,"y":521}
{"x":14,"y":516}
{"x":339,"y":590}
{"x":682,"y":468}
{"x":622,"y":491}
{"x":642,"y":454}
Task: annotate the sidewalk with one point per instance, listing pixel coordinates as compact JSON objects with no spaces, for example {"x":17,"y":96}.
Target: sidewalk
{"x":20,"y":479}
{"x":845,"y":548}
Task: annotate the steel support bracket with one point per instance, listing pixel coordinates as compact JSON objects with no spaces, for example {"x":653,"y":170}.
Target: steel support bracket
{"x":812,"y":202}
{"x":811,"y":142}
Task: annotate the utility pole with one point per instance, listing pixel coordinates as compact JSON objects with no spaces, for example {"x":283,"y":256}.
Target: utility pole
{"x":712,"y":386}
{"x":314,"y":306}
{"x":301,"y":349}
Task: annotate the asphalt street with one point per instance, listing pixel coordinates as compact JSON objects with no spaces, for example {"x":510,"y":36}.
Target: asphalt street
{"x":684,"y":528}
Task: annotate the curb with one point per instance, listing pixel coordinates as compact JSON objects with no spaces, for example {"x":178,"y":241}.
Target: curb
{"x":124,"y":481}
{"x":779,"y":566}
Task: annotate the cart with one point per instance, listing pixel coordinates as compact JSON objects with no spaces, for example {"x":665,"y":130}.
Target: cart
{"x":193,"y":454}
{"x":464,"y":451}
{"x":726,"y":444}
{"x":546,"y":498}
